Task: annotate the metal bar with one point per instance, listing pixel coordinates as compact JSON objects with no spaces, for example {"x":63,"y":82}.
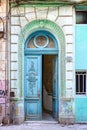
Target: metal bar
{"x":78,"y":83}
{"x":83,"y":83}
{"x":86,"y":83}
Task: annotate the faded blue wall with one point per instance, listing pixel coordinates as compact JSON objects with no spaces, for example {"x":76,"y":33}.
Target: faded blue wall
{"x":81,"y":109}
{"x":81,"y":64}
{"x":81,"y":46}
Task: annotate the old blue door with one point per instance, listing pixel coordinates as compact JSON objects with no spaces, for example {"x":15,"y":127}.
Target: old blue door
{"x":39,"y":43}
{"x":55,"y":87}
{"x":33,"y":87}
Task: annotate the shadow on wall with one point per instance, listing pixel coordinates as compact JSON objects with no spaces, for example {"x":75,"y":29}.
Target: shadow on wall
{"x":47,"y":100}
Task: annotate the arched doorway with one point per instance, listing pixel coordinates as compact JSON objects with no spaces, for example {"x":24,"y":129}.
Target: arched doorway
{"x":41,"y":75}
{"x":58,"y":34}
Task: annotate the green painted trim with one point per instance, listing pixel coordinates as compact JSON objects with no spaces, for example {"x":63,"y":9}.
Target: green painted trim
{"x":59,"y":35}
{"x":16,"y":99}
{"x":82,"y":8}
{"x":41,"y":4}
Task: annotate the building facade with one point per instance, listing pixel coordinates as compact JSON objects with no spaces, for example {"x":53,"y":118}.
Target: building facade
{"x":4,"y":90}
{"x":46,"y":63}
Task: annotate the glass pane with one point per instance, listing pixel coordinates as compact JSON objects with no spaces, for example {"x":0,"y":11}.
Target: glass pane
{"x":31,"y":44}
{"x":81,"y":17}
{"x":41,"y":41}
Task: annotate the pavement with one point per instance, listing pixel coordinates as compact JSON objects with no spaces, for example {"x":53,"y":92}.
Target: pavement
{"x":43,"y":125}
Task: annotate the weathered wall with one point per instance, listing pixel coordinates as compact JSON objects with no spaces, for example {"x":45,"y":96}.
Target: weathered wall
{"x":80,"y":47}
{"x":63,"y":16}
{"x":4,"y":100}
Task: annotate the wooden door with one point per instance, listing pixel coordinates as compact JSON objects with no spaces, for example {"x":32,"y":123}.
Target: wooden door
{"x":55,"y":87}
{"x":33,"y":87}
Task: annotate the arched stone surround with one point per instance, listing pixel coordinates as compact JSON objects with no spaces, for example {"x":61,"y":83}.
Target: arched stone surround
{"x":66,"y":105}
{"x":59,"y":35}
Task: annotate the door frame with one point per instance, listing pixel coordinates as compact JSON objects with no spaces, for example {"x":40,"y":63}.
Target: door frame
{"x":56,"y":105}
{"x":41,"y":51}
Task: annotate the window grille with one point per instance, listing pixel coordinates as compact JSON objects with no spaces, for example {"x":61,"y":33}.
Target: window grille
{"x":81,"y":81}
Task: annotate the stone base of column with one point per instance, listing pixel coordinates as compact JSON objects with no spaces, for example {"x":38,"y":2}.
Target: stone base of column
{"x":67,"y":120}
{"x":66,"y":111}
{"x":18,"y":120}
{"x":17,"y":111}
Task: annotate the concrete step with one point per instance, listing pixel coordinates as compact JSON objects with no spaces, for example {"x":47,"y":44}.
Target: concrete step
{"x":41,"y":122}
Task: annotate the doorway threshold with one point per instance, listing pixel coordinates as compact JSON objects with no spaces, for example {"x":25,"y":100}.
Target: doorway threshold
{"x":46,"y":119}
{"x":41,"y":122}
{"x":47,"y":116}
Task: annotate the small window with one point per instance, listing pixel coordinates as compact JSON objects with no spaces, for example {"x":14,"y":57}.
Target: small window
{"x":81,"y":17}
{"x":41,"y":41}
{"x":81,"y":82}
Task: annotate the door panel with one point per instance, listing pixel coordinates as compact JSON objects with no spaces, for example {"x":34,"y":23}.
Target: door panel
{"x":55,"y":87}
{"x":33,"y":87}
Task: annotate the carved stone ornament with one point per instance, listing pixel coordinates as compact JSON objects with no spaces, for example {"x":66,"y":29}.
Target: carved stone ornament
{"x":32,"y":77}
{"x":41,"y":41}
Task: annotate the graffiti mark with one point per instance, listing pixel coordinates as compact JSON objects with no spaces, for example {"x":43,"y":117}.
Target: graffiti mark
{"x":66,"y":107}
{"x":3,"y":92}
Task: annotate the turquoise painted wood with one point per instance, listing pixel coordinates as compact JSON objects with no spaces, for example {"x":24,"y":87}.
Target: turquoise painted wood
{"x":81,"y":109}
{"x":33,"y":73}
{"x":33,"y":87}
{"x":55,"y":87}
{"x":81,"y":47}
{"x":41,"y":49}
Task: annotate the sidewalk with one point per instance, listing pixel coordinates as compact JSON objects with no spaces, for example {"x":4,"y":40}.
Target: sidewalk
{"x":43,"y":125}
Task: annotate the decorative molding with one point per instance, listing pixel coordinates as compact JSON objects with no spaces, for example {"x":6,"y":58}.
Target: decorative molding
{"x":39,"y":37}
{"x":32,"y":77}
{"x":55,"y":30}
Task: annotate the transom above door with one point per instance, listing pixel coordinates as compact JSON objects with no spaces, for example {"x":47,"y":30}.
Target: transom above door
{"x":41,"y":42}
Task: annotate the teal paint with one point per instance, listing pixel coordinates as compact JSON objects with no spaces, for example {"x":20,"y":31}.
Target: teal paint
{"x":33,"y":78}
{"x":55,"y":103}
{"x":81,"y":47}
{"x":42,"y":4}
{"x":81,"y":109}
{"x":81,"y":7}
{"x":33,"y":87}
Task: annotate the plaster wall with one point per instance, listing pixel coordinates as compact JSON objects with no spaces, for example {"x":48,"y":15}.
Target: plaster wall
{"x":4,"y":103}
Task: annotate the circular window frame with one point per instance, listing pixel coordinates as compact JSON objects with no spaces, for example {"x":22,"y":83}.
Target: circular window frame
{"x":46,"y":44}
